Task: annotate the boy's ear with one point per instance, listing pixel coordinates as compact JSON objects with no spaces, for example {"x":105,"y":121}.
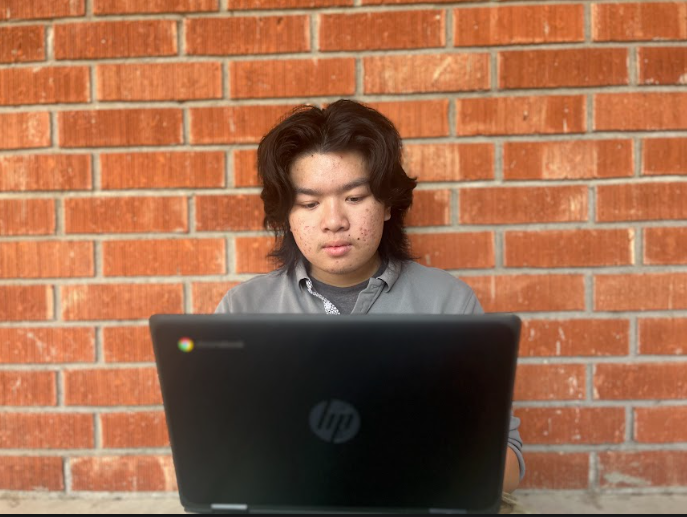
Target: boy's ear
{"x":387,"y":213}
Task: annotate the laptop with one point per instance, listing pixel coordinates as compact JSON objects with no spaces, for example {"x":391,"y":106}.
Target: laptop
{"x":314,"y":413}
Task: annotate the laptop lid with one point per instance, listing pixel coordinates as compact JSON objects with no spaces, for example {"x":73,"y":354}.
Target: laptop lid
{"x":347,"y":413}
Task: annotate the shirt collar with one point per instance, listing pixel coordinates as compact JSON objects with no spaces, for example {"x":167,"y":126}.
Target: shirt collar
{"x":389,"y":276}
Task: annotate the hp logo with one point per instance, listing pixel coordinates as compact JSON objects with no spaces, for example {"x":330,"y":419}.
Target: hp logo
{"x":334,"y":421}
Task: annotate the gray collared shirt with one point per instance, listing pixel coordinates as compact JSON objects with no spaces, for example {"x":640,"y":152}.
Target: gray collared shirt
{"x":403,"y":288}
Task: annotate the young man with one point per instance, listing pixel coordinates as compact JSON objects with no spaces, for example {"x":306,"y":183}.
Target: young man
{"x":336,"y":195}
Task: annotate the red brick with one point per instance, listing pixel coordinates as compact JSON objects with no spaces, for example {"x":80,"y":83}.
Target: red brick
{"x":120,"y":387}
{"x":251,"y":255}
{"x":26,"y":303}
{"x":383,"y":30}
{"x":620,"y":469}
{"x":22,"y":44}
{"x":159,"y":82}
{"x":56,"y":172}
{"x":247,"y":35}
{"x":664,"y":156}
{"x":416,"y":119}
{"x":641,"y":202}
{"x":396,"y":2}
{"x":643,"y":381}
{"x":430,"y":208}
{"x":31,"y":473}
{"x":124,"y":474}
{"x":193,"y":170}
{"x":639,"y":21}
{"x":572,"y":425}
{"x":529,"y":293}
{"x":36,"y":9}
{"x":47,"y":345}
{"x":134,"y":430}
{"x":207,"y":295}
{"x":560,"y":68}
{"x":640,"y":111}
{"x":27,"y":216}
{"x":556,"y":471}
{"x":454,"y":250}
{"x":292,"y":78}
{"x":662,"y":336}
{"x":164,"y":257}
{"x":521,"y":115}
{"x":48,"y":85}
{"x":661,"y":424}
{"x":126,"y":215}
{"x":234,"y":124}
{"x":46,"y":431}
{"x":659,"y":65}
{"x":518,"y":25}
{"x":232,"y":213}
{"x":649,"y":291}
{"x":102,"y":40}
{"x":128,"y":345}
{"x":665,"y":246}
{"x":35,"y":259}
{"x":27,"y":389}
{"x":114,"y":128}
{"x":574,"y":159}
{"x":286,"y":4}
{"x":153,"y":6}
{"x":24,"y":130}
{"x":569,"y":248}
{"x":515,"y":205}
{"x":246,"y":168}
{"x":426,"y":73}
{"x":119,"y":301}
{"x":449,"y":162}
{"x":550,"y":382}
{"x":574,"y":338}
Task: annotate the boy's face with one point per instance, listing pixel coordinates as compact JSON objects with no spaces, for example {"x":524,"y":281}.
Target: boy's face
{"x":336,"y":221}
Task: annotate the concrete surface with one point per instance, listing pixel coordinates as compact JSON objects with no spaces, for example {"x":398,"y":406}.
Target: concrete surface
{"x":548,"y":502}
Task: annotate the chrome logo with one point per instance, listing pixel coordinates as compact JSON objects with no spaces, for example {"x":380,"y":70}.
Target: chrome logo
{"x":186,"y":344}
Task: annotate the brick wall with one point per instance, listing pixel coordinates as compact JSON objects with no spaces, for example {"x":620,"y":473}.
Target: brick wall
{"x":550,"y":139}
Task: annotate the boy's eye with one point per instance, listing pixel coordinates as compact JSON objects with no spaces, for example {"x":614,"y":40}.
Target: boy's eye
{"x":309,"y":206}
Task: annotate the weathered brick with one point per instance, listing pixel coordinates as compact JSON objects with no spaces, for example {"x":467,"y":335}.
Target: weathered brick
{"x":207,"y":295}
{"x":430,"y":208}
{"x":47,"y":345}
{"x":567,"y":425}
{"x":426,"y":73}
{"x":46,"y":85}
{"x":529,"y":293}
{"x":573,"y":159}
{"x":116,"y":39}
{"x":629,"y":469}
{"x":22,"y":44}
{"x":640,"y":111}
{"x":229,"y":213}
{"x":516,"y":205}
{"x":640,"y":292}
{"x":24,"y":130}
{"x":373,"y":31}
{"x":31,"y":473}
{"x":564,"y":67}
{"x":159,"y":82}
{"x":234,"y":124}
{"x":292,"y":78}
{"x":641,"y":202}
{"x":449,"y":162}
{"x":126,"y":215}
{"x":416,"y":119}
{"x":26,"y":303}
{"x":128,"y":345}
{"x":134,"y":430}
{"x":664,"y":156}
{"x":574,"y":338}
{"x":46,"y":431}
{"x":645,"y":381}
{"x":550,"y":382}
{"x":153,"y":6}
{"x":45,"y":172}
{"x":124,"y":474}
{"x":659,"y":336}
{"x":171,"y":257}
{"x":119,"y":301}
{"x":662,"y":65}
{"x":639,"y":21}
{"x":27,"y":388}
{"x":454,"y":250}
{"x":518,"y":25}
{"x":115,"y":128}
{"x":665,"y":246}
{"x":170,"y":170}
{"x":120,"y":387}
{"x":521,"y":115}
{"x":569,"y":248}
{"x":661,"y":424}
{"x":42,"y":259}
{"x":27,"y":216}
{"x":247,"y":35}
{"x":37,"y":9}
{"x":556,"y":471}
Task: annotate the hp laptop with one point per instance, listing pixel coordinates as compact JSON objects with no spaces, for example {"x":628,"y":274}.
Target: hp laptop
{"x":313,"y":413}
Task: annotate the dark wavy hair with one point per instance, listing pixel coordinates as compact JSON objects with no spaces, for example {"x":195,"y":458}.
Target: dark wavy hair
{"x":343,"y":126}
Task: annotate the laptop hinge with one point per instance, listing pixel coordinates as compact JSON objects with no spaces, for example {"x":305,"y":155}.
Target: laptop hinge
{"x":229,"y":508}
